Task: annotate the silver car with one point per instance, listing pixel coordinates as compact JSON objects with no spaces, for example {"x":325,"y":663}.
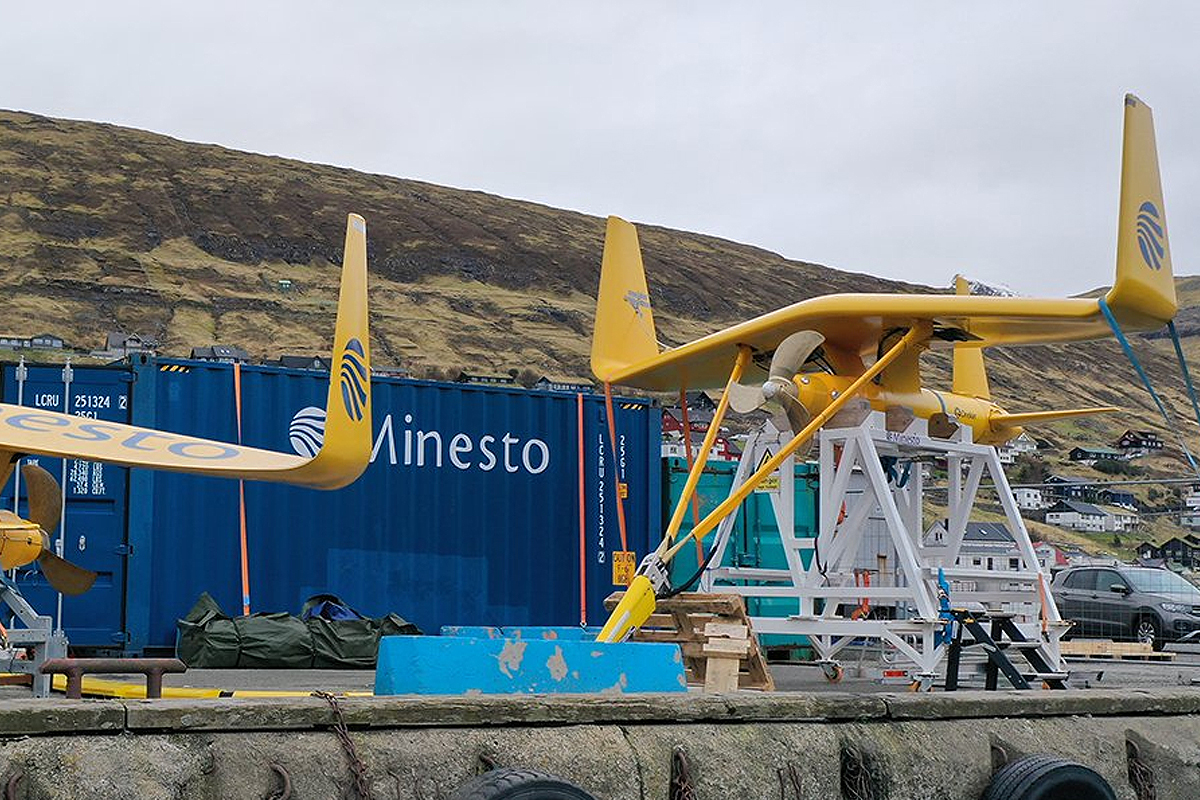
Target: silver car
{"x":1130,"y":603}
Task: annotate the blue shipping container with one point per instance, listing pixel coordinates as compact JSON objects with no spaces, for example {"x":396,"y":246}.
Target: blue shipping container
{"x":468,"y":515}
{"x":93,"y":528}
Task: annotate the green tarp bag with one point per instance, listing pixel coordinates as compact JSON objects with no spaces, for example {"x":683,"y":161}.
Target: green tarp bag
{"x":207,"y":637}
{"x":274,"y":641}
{"x":334,"y":636}
{"x":342,"y":637}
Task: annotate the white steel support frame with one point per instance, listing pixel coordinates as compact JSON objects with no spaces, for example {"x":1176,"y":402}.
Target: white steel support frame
{"x":36,"y":633}
{"x":828,"y":590}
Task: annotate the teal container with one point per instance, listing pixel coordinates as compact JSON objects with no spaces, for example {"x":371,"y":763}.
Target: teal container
{"x":754,"y":541}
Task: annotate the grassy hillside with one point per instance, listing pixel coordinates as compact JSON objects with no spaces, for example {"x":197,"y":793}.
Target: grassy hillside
{"x":105,"y":228}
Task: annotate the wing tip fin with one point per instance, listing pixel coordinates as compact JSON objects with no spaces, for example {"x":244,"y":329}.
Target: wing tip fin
{"x":346,"y":448}
{"x":624,"y":333}
{"x":1143,"y":293}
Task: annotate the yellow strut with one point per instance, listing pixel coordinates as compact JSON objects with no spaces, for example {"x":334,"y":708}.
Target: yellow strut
{"x":710,"y":436}
{"x":638,"y":602}
{"x":734,"y":500}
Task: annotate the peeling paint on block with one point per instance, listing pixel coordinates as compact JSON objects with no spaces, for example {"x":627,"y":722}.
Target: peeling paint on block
{"x":461,"y":665}
{"x":557,"y":665}
{"x":511,"y":656}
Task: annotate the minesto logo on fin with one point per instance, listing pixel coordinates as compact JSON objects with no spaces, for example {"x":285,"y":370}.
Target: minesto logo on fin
{"x":1150,"y":235}
{"x":638,"y":300}
{"x":307,"y":431}
{"x":354,"y":380}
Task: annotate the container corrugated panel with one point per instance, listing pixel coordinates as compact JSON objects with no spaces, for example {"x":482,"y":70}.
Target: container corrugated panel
{"x":93,"y":528}
{"x":754,"y":540}
{"x":467,"y":515}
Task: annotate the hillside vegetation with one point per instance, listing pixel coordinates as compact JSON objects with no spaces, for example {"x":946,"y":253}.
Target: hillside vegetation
{"x":105,"y":228}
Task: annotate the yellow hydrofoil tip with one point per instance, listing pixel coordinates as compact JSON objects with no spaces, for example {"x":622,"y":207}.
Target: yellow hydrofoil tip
{"x":1034,"y":417}
{"x":631,"y":613}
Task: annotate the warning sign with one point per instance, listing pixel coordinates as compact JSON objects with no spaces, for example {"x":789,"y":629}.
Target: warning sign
{"x":624,"y":564}
{"x":771,"y":482}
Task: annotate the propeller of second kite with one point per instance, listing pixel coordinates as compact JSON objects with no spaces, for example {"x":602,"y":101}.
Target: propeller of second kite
{"x":45,"y":509}
{"x":780,"y":387}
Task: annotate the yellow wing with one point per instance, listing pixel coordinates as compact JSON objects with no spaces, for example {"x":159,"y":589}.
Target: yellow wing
{"x":1142,"y":297}
{"x":342,"y":458}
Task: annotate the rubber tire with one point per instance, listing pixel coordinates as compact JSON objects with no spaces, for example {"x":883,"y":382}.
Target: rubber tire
{"x":1047,"y":778}
{"x":509,"y":783}
{"x":1157,"y":642}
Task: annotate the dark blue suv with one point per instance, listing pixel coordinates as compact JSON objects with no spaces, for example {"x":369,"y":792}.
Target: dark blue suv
{"x":1130,"y":603}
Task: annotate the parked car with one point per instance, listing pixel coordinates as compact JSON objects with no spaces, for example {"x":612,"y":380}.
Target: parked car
{"x":1132,"y":603}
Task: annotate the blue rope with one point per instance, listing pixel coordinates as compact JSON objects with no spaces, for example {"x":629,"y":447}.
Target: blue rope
{"x":1137,"y":365}
{"x":1187,"y":376}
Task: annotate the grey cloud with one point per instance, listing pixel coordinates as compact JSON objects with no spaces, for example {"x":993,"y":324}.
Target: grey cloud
{"x":908,"y":140}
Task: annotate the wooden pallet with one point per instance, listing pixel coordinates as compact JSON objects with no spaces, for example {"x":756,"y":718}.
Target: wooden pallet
{"x":1107,"y":650}
{"x":705,"y":626}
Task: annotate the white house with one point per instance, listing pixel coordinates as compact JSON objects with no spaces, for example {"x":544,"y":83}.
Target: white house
{"x":1119,"y":520}
{"x":1190,"y":518}
{"x":1021,"y":445}
{"x":1030,"y":499}
{"x":985,"y":545}
{"x":674,"y":447}
{"x":1049,"y":556}
{"x":1077,"y":516}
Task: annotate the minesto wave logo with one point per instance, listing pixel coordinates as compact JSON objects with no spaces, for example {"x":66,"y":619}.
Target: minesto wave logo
{"x":307,"y":431}
{"x":1150,"y":235}
{"x":354,"y":379}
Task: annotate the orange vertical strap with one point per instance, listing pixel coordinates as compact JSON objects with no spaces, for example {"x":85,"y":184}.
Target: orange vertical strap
{"x":237,"y":400}
{"x":1042,"y":599}
{"x":612,"y":439}
{"x":582,"y":516}
{"x":687,"y":449}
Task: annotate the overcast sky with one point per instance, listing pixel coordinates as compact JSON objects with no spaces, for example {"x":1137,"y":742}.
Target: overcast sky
{"x":908,"y":140}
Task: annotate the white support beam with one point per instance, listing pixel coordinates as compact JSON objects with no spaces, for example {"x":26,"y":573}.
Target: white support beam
{"x":857,"y":483}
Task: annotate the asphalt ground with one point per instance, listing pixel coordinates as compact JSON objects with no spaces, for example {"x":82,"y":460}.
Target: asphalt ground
{"x":862,"y":671}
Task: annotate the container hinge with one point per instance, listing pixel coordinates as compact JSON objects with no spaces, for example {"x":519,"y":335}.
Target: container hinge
{"x":123,"y":550}
{"x":120,"y":637}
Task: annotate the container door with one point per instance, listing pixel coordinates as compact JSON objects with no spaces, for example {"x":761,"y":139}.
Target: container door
{"x":93,"y":528}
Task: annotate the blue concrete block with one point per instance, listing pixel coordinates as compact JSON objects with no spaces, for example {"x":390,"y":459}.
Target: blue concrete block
{"x":460,"y":665}
{"x":558,"y":633}
{"x":472,"y":631}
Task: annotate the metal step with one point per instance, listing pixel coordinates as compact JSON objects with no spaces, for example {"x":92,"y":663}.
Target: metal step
{"x":1045,"y":676}
{"x":1004,"y":645}
{"x":1029,"y":645}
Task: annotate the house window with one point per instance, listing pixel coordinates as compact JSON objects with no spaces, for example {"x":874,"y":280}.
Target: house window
{"x":1014,"y":563}
{"x":990,"y":566}
{"x":975,"y":562}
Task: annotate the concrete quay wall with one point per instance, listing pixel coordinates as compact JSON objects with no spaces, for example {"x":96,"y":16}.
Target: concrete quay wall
{"x":789,"y":746}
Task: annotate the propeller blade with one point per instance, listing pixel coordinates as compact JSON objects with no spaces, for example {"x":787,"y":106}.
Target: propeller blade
{"x":797,"y":415}
{"x":45,"y":510}
{"x":786,"y":362}
{"x":792,"y":352}
{"x":64,"y":576}
{"x":744,"y":399}
{"x":45,"y":497}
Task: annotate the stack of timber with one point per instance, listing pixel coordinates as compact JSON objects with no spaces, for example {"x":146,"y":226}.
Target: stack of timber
{"x":720,"y":651}
{"x":1106,"y":649}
